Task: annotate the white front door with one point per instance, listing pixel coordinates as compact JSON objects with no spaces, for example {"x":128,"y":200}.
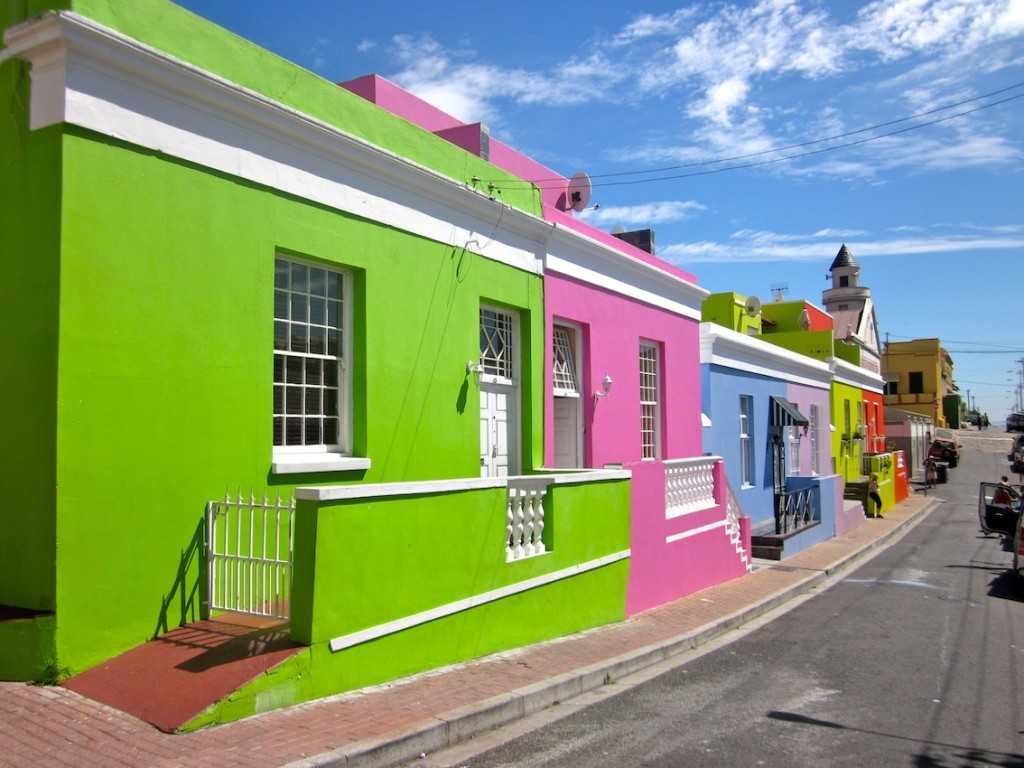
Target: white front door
{"x":567,"y":433}
{"x":497,"y":430}
{"x":568,"y":403}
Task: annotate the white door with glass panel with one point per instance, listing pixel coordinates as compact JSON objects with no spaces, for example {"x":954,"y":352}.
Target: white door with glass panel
{"x":568,"y":403}
{"x":499,"y":422}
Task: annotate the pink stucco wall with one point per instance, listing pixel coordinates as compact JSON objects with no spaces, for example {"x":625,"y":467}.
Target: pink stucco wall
{"x":612,"y":326}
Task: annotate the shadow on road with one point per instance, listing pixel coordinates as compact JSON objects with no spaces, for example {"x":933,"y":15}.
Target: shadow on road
{"x":965,"y":758}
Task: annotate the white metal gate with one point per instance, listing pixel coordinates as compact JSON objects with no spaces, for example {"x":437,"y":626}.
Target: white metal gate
{"x":249,"y":555}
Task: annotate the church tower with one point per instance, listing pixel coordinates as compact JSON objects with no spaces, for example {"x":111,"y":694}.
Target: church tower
{"x":851,"y":308}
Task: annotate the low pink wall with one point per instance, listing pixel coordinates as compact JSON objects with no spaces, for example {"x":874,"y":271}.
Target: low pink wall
{"x":661,"y":572}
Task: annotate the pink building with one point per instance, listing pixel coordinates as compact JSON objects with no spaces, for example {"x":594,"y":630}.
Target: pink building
{"x":622,"y":352}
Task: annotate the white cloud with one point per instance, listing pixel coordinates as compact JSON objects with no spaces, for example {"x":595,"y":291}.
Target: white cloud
{"x":721,"y":99}
{"x":649,"y":25}
{"x":455,"y":83}
{"x":317,"y":52}
{"x":745,"y":78}
{"x":750,"y":246}
{"x":645,"y":215}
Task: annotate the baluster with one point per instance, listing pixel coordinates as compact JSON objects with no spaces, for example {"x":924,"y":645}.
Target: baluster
{"x":528,"y":517}
{"x":538,"y":523}
{"x":509,"y":520}
{"x":517,"y":525}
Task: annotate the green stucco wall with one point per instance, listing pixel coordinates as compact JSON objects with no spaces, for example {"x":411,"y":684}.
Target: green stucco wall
{"x":141,"y":289}
{"x":30,"y":189}
{"x":847,"y":454}
{"x":728,"y":310}
{"x":166,"y":370}
{"x":186,"y":36}
{"x":814,"y":344}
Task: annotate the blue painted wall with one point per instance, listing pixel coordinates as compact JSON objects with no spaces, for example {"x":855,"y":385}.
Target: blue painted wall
{"x":721,"y":388}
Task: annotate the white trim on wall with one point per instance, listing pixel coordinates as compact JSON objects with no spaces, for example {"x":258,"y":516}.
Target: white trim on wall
{"x":407,"y":622}
{"x":730,"y":349}
{"x":855,"y":376}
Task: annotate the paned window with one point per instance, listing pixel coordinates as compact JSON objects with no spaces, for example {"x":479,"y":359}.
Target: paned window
{"x":794,"y":450}
{"x":650,"y":411}
{"x":310,"y":307}
{"x":815,"y":420}
{"x":746,"y":441}
{"x":496,"y":347}
{"x":565,"y":379}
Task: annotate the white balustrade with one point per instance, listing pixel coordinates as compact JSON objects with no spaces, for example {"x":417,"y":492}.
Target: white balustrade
{"x":524,"y":517}
{"x":689,"y":486}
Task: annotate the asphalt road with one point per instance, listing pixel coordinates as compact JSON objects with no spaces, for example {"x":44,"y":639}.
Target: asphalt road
{"x":913,"y":659}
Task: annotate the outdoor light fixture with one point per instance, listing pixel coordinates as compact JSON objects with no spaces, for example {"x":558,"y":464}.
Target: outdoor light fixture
{"x":606,"y":387}
{"x":472,"y":367}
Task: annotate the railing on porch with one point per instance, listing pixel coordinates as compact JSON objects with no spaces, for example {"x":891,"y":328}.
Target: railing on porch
{"x":689,"y":485}
{"x":249,"y":555}
{"x":524,"y":518}
{"x":795,"y":510}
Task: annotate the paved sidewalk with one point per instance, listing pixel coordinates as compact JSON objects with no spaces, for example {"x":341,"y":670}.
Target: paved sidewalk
{"x":387,"y":724}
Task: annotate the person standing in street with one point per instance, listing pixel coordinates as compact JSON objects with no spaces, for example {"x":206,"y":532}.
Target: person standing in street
{"x":874,"y":495}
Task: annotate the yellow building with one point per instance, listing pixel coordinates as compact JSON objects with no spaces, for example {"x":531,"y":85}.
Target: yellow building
{"x":918,"y":375}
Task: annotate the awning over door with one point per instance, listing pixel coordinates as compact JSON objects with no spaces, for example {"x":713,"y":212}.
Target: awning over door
{"x":785,"y":414}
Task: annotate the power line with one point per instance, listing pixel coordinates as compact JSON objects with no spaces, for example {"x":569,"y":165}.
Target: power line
{"x":815,"y":151}
{"x":813,"y":142}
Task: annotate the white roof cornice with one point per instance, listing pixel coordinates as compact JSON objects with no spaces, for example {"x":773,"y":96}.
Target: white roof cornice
{"x":728,"y":348}
{"x":855,"y":376}
{"x":575,"y":255}
{"x":91,"y":76}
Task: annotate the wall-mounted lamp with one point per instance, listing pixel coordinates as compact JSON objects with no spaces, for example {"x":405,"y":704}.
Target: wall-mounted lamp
{"x":472,"y":367}
{"x":606,"y":387}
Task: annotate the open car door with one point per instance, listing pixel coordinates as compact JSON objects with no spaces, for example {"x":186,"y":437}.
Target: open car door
{"x":998,"y":508}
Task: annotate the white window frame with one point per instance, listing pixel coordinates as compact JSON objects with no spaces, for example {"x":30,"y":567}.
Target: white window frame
{"x":746,"y":419}
{"x":813,"y":432}
{"x":565,"y":378}
{"x":503,"y":367}
{"x":309,"y":456}
{"x":793,"y":437}
{"x":650,"y":400}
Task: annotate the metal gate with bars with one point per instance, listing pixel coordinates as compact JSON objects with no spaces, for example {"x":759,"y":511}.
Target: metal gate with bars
{"x":249,"y":555}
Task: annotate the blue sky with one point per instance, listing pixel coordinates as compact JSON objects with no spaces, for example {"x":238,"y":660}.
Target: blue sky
{"x":657,"y":100}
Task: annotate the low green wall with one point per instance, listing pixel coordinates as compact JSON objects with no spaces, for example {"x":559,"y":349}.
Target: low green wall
{"x":29,"y":650}
{"x":361,"y":563}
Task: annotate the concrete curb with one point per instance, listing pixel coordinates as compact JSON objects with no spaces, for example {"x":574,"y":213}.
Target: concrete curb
{"x":458,"y":725}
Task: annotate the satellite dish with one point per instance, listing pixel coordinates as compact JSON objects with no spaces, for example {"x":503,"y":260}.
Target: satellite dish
{"x":577,"y":196}
{"x":619,"y":231}
{"x":804,"y":319}
{"x":753,"y":306}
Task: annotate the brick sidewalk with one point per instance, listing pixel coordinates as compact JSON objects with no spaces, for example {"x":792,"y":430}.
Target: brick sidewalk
{"x":386,"y":724}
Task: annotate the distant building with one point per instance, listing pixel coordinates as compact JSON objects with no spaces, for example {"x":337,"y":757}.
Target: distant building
{"x":918,"y":377}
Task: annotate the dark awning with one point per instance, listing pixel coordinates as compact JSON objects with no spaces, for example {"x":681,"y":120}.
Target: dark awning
{"x":785,"y":414}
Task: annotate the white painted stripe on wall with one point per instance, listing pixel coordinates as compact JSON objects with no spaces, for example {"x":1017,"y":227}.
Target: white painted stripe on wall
{"x":382,"y":630}
{"x":694,"y":532}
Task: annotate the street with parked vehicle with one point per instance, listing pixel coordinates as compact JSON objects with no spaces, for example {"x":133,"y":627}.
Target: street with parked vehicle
{"x":912,"y":659}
